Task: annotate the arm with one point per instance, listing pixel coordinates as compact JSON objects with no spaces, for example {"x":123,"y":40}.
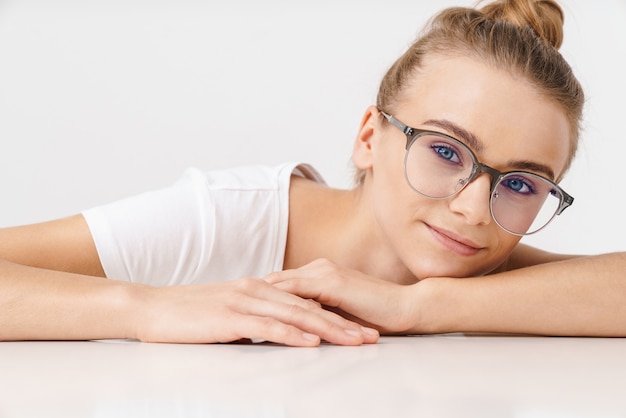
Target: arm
{"x":63,"y":245}
{"x":526,"y":256}
{"x":583,"y":296}
{"x":48,"y":290}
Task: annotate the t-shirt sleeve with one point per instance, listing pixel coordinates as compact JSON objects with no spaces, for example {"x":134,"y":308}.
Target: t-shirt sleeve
{"x":157,"y":237}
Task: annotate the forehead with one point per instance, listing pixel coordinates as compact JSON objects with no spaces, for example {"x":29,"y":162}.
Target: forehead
{"x":509,"y":117}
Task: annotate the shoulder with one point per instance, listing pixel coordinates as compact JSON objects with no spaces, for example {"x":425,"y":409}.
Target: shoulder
{"x":254,"y":177}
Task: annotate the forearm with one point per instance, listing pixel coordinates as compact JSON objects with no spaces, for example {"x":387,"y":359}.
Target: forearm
{"x":38,"y":304}
{"x":580,"y":297}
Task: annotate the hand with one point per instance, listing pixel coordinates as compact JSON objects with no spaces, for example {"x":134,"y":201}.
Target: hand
{"x":387,"y":306}
{"x":240,"y":309}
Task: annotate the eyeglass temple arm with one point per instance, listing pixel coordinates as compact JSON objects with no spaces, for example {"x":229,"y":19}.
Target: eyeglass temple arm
{"x":565,"y":203}
{"x":408,"y":131}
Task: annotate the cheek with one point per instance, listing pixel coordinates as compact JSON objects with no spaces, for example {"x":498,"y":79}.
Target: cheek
{"x":399,"y":210}
{"x":504,"y":243}
{"x":392,"y":195}
{"x":392,"y":202}
{"x":390,"y":189}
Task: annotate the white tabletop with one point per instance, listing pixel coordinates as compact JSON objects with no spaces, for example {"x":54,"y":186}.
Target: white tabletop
{"x":429,"y":376}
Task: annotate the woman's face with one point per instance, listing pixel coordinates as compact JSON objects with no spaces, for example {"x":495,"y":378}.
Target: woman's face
{"x":512,"y":124}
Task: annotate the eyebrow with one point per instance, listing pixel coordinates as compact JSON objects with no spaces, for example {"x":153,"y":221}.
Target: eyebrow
{"x":459,"y":132}
{"x":474,"y":143}
{"x":532,"y":166}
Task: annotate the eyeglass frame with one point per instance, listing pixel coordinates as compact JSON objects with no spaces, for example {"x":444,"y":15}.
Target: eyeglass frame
{"x":477,"y":169}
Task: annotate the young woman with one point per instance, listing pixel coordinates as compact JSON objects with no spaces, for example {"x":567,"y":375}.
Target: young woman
{"x":474,"y":127}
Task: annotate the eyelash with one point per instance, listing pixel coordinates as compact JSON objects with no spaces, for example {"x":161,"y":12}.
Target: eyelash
{"x":438,"y":149}
{"x":525,"y":183}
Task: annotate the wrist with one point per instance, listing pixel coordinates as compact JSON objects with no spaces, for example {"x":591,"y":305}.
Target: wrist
{"x":133,"y":309}
{"x":432,"y":307}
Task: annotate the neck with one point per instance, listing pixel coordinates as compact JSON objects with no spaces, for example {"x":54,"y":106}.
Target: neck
{"x":338,"y":225}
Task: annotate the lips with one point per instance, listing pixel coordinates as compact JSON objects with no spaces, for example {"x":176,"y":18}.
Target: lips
{"x":454,"y":242}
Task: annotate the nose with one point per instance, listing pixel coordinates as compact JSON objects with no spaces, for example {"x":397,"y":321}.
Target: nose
{"x":473,"y":201}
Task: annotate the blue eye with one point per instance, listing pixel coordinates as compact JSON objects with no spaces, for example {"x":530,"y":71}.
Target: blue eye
{"x":446,"y":152}
{"x":519,"y":185}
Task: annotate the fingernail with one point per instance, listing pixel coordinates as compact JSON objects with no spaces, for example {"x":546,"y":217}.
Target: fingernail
{"x":369,"y":331}
{"x":310,"y":337}
{"x":353,"y":333}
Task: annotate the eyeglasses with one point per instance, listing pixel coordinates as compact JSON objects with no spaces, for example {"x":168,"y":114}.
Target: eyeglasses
{"x":439,"y":166}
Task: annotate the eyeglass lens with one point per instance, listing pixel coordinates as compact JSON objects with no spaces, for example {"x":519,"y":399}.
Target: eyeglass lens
{"x":438,"y":167}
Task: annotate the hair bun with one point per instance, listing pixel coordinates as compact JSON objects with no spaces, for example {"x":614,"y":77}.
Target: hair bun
{"x":545,"y":17}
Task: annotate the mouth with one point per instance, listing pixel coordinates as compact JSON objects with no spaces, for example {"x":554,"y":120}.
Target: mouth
{"x":454,"y":242}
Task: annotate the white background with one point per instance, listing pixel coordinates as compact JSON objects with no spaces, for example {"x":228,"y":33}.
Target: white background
{"x":101,"y":99}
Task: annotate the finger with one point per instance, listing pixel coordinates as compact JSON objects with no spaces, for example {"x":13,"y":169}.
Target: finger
{"x":327,"y":325}
{"x":289,"y":308}
{"x":357,"y":298}
{"x":277,"y":276}
{"x":270,"y":329}
{"x":297,"y":282}
{"x":306,"y":272}
{"x":365,"y":324}
{"x":260,"y":289}
{"x":314,"y":303}
{"x":317,"y":290}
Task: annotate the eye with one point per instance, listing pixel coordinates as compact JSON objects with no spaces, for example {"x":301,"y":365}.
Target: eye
{"x":519,"y":185}
{"x":446,"y":152}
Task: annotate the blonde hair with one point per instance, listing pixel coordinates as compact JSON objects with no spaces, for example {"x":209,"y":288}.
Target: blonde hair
{"x":520,"y":36}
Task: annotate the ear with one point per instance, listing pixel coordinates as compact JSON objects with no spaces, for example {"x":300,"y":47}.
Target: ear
{"x":362,"y":156}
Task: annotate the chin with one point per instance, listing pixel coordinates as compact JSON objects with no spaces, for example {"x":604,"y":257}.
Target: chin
{"x":450,"y":269}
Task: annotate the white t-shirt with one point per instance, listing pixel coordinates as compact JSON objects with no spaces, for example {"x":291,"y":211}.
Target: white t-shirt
{"x":207,"y":227}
